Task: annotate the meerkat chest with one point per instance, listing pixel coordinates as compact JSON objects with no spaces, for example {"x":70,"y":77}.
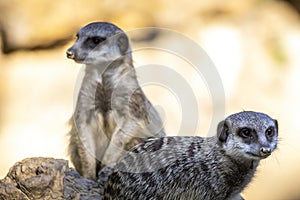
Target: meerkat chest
{"x":107,"y":123}
{"x":103,"y":106}
{"x":102,"y":98}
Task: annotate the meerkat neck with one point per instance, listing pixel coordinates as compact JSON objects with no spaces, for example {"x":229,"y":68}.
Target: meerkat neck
{"x":241,"y":173}
{"x":110,"y":81}
{"x":110,"y":72}
{"x":104,"y":67}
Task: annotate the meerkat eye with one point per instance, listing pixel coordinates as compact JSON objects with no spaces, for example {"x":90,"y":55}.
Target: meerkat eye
{"x":97,"y":40}
{"x":270,"y":132}
{"x":245,"y":133}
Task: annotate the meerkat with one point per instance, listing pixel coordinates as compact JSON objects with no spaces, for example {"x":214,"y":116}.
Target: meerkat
{"x":212,"y":168}
{"x":112,"y":113}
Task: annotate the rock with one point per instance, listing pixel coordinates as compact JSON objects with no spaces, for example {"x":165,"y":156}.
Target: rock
{"x":46,"y":178}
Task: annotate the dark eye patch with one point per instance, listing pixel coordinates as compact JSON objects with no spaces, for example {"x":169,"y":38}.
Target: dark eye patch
{"x":270,"y":132}
{"x":97,"y":40}
{"x":92,"y":42}
{"x":245,"y":133}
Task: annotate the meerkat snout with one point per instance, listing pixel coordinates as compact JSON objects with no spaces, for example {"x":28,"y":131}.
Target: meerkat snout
{"x":265,"y":151}
{"x":70,"y":54}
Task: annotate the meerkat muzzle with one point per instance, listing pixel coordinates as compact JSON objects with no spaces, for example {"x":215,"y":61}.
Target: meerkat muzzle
{"x":70,"y":54}
{"x":265,"y":151}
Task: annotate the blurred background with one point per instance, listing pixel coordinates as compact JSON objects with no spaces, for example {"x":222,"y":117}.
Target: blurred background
{"x":254,"y":44}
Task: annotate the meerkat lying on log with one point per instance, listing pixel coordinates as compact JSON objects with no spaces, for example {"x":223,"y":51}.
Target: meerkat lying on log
{"x":212,"y":168}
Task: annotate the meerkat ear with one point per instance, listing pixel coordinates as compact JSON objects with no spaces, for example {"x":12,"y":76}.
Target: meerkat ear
{"x":123,"y":43}
{"x":222,"y":131}
{"x":276,"y":125}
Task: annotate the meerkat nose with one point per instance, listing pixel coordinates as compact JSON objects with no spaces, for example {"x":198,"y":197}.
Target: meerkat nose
{"x":265,"y":151}
{"x":70,"y":54}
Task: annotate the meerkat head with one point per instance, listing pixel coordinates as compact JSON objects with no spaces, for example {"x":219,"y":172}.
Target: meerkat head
{"x":99,"y":42}
{"x":249,"y":135}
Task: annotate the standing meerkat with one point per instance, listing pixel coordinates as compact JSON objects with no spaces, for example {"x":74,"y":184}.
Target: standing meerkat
{"x":112,"y":113}
{"x":213,"y":168}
